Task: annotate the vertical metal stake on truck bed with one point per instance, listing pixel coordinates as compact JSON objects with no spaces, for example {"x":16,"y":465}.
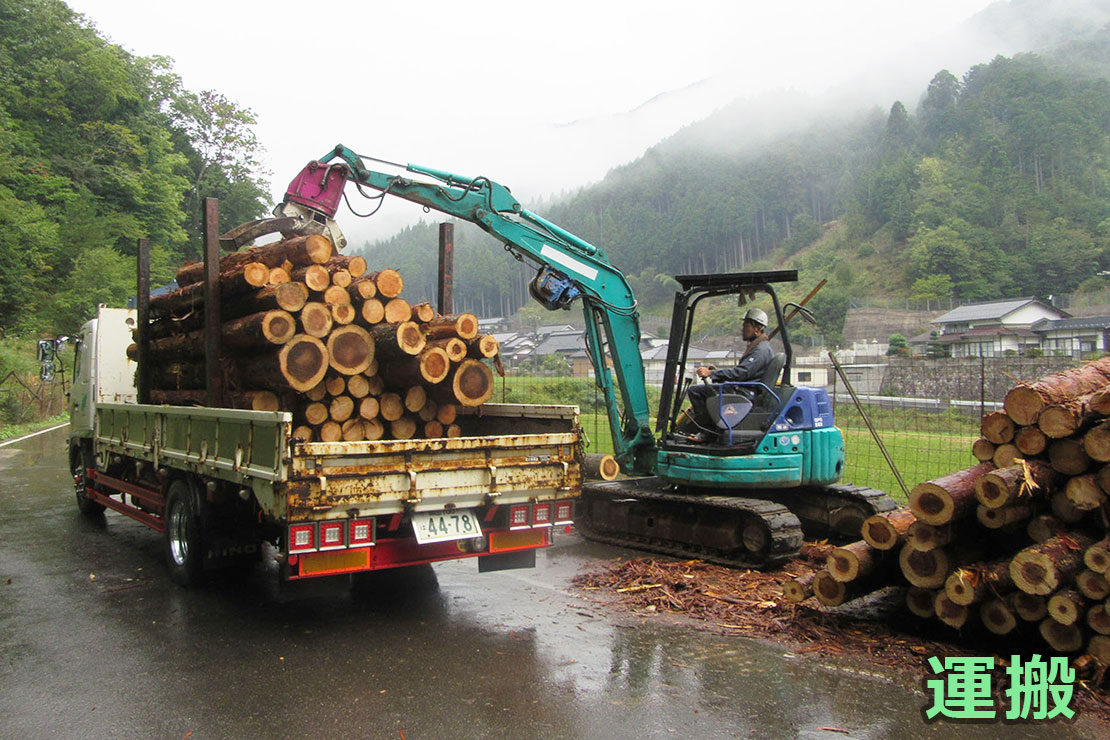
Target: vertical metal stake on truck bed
{"x":142,"y":302}
{"x":446,"y":296}
{"x":213,"y":376}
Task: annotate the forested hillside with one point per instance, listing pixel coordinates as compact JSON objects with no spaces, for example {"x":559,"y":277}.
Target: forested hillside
{"x":996,"y":183}
{"x":97,"y":149}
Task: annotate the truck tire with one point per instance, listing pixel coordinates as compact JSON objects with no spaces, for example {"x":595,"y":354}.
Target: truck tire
{"x":80,"y":460}
{"x":184,"y":555}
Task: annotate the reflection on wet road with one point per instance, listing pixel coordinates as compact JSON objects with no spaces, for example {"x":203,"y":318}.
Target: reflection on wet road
{"x":96,"y":642}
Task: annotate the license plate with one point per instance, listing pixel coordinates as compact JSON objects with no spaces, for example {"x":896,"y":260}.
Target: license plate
{"x":440,"y":526}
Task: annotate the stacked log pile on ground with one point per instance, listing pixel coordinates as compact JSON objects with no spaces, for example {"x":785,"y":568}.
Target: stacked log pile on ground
{"x":1018,"y":544}
{"x":314,"y":333}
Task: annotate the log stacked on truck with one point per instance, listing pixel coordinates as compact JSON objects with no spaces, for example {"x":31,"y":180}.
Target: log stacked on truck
{"x":314,"y":333}
{"x":1017,"y":544}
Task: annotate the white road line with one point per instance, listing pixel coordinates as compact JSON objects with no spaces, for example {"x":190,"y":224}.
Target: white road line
{"x":33,"y":434}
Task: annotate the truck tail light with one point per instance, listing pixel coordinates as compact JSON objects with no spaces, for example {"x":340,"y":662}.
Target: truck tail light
{"x":361,"y":533}
{"x":331,"y":535}
{"x":541,"y":515}
{"x":302,"y":537}
{"x":564,"y":511}
{"x":518,"y":516}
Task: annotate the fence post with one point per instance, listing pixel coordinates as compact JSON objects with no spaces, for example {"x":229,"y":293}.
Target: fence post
{"x":982,"y":386}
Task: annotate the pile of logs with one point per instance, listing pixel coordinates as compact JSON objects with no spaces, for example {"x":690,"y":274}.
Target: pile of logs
{"x":311,"y":332}
{"x":1017,"y":543}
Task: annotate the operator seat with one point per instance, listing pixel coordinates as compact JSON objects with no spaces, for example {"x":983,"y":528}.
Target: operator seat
{"x":748,"y":410}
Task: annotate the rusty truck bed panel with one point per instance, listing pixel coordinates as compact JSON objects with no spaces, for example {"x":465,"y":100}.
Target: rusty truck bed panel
{"x":535,"y":455}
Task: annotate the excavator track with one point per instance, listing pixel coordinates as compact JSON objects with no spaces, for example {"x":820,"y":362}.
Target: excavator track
{"x":756,"y":530}
{"x":646,"y":514}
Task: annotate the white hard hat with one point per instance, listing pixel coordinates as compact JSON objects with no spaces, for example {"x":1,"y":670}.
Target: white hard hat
{"x":756,"y":315}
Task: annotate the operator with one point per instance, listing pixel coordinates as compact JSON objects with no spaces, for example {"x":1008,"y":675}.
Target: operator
{"x":757,"y":356}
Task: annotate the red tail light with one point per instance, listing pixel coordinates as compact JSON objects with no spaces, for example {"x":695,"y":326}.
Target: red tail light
{"x":331,"y":535}
{"x":302,"y":537}
{"x":361,"y":533}
{"x":564,"y":511}
{"x":541,"y":515}
{"x":518,"y":516}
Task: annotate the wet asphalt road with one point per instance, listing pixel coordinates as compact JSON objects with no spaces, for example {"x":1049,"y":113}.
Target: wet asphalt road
{"x":96,"y":642}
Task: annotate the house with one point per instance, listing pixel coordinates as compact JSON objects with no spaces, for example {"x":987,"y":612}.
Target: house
{"x":993,"y":328}
{"x":1075,"y":337}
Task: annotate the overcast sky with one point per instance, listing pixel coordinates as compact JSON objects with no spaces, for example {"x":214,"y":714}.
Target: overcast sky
{"x":542,"y":97}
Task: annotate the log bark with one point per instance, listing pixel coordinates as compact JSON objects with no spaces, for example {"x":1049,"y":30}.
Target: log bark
{"x":483,"y":346}
{"x":300,"y":364}
{"x":315,"y":320}
{"x":301,"y":250}
{"x":260,"y":330}
{"x":1066,"y":606}
{"x":973,"y":584}
{"x":797,"y":590}
{"x":470,"y":383}
{"x":888,"y":530}
{"x":1030,"y":441}
{"x":1067,"y":456}
{"x":1041,"y":569}
{"x":389,"y":282}
{"x":853,"y":561}
{"x":921,"y":601}
{"x":997,"y":427}
{"x":1007,"y":516}
{"x":289,"y":297}
{"x":831,"y":592}
{"x":423,"y":312}
{"x":362,"y":289}
{"x":464,"y":326}
{"x":1063,"y":638}
{"x":1025,"y":402}
{"x":350,"y":349}
{"x":430,"y":366}
{"x":394,"y":341}
{"x":1005,"y":486}
{"x":600,"y":467}
{"x":998,"y":617}
{"x":947,"y":498}
{"x":454,"y":347}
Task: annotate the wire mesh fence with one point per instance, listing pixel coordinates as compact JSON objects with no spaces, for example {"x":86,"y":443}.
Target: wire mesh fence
{"x":926,"y":412}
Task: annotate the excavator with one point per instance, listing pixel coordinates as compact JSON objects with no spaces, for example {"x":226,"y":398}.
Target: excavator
{"x":766,"y":479}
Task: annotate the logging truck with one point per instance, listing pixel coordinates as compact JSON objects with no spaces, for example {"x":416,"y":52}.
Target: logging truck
{"x":225,"y":485}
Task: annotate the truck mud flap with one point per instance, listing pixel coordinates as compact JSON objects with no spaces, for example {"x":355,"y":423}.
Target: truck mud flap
{"x":507,"y":561}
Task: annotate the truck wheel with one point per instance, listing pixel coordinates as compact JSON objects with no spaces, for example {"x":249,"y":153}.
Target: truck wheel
{"x":80,"y":459}
{"x":183,"y":534}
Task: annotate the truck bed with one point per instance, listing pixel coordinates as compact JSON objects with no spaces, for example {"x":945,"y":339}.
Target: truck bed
{"x":533,"y":453}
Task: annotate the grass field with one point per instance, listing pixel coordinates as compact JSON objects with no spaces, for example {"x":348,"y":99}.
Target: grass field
{"x":919,"y":455}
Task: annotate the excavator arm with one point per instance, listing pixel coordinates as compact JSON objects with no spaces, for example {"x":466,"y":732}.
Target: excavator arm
{"x":569,"y":268}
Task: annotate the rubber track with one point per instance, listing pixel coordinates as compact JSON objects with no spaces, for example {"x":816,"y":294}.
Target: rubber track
{"x":784,"y":527}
